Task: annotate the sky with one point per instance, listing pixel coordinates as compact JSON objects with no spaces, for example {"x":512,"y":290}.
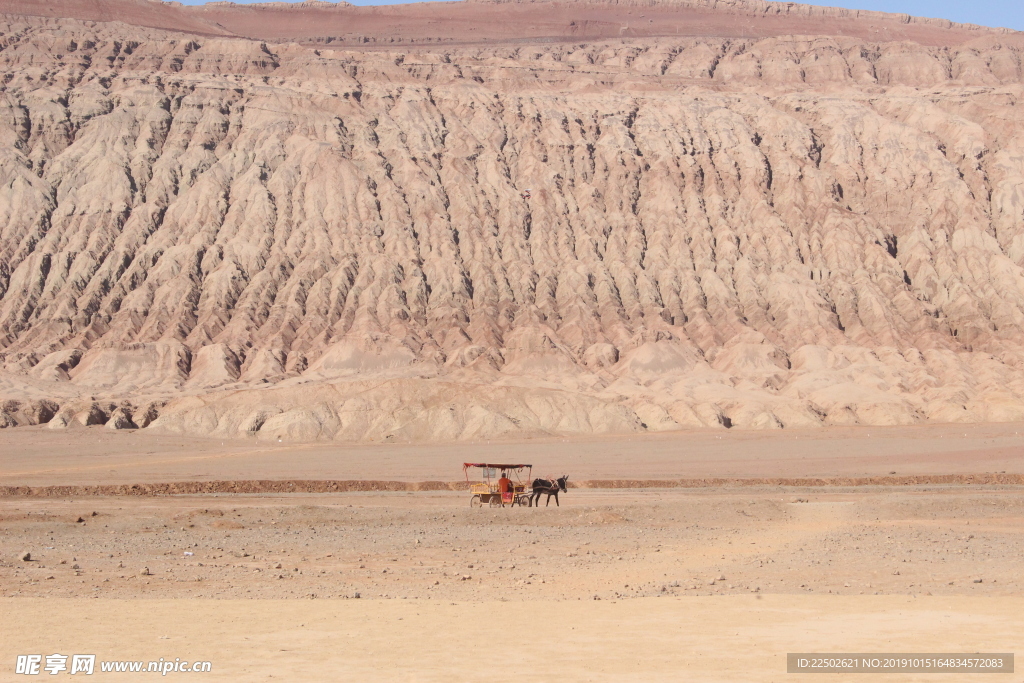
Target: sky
{"x":1008,"y":13}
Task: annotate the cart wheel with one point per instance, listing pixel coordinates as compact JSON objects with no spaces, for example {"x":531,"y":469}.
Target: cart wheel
{"x":496,"y":502}
{"x":475,"y":502}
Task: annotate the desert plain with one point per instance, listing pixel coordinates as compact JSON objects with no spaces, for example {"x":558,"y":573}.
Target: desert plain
{"x":700,"y":563}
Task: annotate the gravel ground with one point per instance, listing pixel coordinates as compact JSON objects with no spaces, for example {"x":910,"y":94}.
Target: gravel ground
{"x":600,"y":544}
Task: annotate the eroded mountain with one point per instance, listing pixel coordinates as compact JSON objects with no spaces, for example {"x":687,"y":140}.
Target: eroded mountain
{"x":218,"y":235}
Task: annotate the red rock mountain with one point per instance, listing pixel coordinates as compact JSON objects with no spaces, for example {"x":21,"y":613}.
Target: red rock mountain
{"x":466,"y":220}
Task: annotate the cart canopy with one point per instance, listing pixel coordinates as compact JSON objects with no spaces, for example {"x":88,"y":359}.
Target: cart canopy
{"x":497,"y":466}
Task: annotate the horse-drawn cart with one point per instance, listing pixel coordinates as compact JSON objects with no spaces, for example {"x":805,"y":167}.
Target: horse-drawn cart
{"x":510,"y":488}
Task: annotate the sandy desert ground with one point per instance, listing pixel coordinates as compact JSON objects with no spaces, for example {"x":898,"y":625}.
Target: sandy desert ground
{"x":95,"y":456}
{"x":718,"y":582}
{"x":732,"y":638}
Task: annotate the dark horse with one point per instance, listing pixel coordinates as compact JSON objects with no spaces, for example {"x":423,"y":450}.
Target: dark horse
{"x":542,"y":486}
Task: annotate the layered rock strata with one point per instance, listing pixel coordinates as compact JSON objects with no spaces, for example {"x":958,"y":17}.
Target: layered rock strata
{"x":222,"y":236}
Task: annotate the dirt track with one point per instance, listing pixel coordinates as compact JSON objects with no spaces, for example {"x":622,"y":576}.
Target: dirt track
{"x":99,"y":457}
{"x":335,"y":486}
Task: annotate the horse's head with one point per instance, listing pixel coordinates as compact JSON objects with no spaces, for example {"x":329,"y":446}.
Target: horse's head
{"x":562,"y":481}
